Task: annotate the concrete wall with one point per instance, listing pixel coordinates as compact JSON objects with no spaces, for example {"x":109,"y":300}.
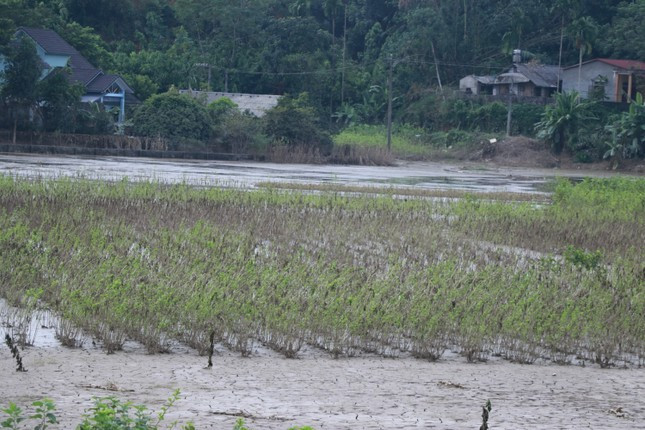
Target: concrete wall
{"x":257,"y":104}
{"x":469,"y":82}
{"x":590,"y":72}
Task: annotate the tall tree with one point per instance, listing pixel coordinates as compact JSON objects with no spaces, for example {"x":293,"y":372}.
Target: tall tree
{"x":584,"y":32}
{"x":626,"y":35}
{"x":23,"y":70}
{"x":58,"y":100}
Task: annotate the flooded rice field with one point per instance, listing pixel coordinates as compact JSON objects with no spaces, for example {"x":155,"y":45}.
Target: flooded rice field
{"x":470,"y":177}
{"x":273,"y":392}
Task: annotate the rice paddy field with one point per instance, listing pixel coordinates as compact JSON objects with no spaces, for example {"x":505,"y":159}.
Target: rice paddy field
{"x":555,"y":279}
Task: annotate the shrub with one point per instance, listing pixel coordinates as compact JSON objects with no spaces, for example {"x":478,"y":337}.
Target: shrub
{"x":525,"y":116}
{"x":240,"y":133}
{"x":627,"y":132}
{"x":582,"y":258}
{"x":488,"y":117}
{"x":92,"y":118}
{"x":173,"y":116}
{"x":220,"y":107}
{"x":294,"y":122}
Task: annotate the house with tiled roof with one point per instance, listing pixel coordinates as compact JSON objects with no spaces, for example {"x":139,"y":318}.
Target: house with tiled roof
{"x":109,"y":90}
{"x":618,"y":80}
{"x":528,"y":80}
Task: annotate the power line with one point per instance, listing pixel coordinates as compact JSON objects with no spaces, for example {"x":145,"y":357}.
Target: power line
{"x":406,"y":60}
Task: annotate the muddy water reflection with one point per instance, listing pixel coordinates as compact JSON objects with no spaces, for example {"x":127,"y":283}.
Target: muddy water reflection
{"x":248,"y":174}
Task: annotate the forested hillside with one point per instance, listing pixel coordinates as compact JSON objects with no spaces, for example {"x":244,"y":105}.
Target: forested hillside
{"x":340,"y":62}
{"x":338,"y":51}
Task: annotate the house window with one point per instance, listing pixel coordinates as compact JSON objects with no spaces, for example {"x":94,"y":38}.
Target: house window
{"x":597,"y":89}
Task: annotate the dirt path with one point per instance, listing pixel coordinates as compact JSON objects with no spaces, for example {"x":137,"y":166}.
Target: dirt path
{"x":367,"y":392}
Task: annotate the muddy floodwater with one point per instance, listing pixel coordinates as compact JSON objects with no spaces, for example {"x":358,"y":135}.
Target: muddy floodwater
{"x":472,"y":177}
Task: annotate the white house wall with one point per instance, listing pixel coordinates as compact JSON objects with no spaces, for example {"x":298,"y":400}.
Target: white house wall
{"x":55,"y":60}
{"x":589,"y":73}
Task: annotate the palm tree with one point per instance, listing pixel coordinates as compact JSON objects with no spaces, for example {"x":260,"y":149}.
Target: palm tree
{"x":584,"y":32}
{"x":561,"y":120}
{"x":331,"y":10}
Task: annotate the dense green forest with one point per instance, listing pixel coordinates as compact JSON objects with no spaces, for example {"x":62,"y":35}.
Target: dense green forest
{"x":339,"y":52}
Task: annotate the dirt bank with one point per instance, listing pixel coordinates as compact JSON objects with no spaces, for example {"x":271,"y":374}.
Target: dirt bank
{"x":520,"y":151}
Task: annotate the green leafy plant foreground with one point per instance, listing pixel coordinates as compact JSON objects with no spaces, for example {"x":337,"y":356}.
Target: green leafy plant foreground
{"x":108,"y":413}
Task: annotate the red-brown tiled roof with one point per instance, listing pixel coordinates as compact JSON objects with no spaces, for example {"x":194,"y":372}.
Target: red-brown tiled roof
{"x":625,"y":64}
{"x":620,"y":64}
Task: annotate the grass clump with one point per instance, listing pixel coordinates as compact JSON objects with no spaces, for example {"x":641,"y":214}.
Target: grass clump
{"x":413,"y":143}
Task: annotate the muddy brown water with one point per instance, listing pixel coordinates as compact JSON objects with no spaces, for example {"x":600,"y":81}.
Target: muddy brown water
{"x":471,"y":177}
{"x":271,"y":392}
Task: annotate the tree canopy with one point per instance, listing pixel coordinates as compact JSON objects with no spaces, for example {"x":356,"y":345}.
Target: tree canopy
{"x":335,"y":50}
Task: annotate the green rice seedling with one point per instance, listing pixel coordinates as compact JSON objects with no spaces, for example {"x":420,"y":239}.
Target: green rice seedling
{"x":154,"y":263}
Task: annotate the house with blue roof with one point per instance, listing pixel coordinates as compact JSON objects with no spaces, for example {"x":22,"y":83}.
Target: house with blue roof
{"x":109,"y":90}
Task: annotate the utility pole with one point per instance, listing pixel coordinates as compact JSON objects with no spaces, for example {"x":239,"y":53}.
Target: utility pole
{"x":342,"y":83}
{"x":389,"y":104}
{"x":436,"y":67}
{"x":509,"y":114}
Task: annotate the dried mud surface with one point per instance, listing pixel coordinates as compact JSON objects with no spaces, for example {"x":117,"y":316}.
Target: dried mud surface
{"x":365,"y":392}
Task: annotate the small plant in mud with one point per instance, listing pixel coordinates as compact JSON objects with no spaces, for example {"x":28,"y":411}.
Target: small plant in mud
{"x":14,"y":351}
{"x":485,"y":413}
{"x":240,"y":424}
{"x":112,"y":413}
{"x":108,"y":413}
{"x":43,"y":415}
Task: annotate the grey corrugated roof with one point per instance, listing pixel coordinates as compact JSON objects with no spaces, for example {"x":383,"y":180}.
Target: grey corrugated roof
{"x":485,"y":79}
{"x":541,"y":75}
